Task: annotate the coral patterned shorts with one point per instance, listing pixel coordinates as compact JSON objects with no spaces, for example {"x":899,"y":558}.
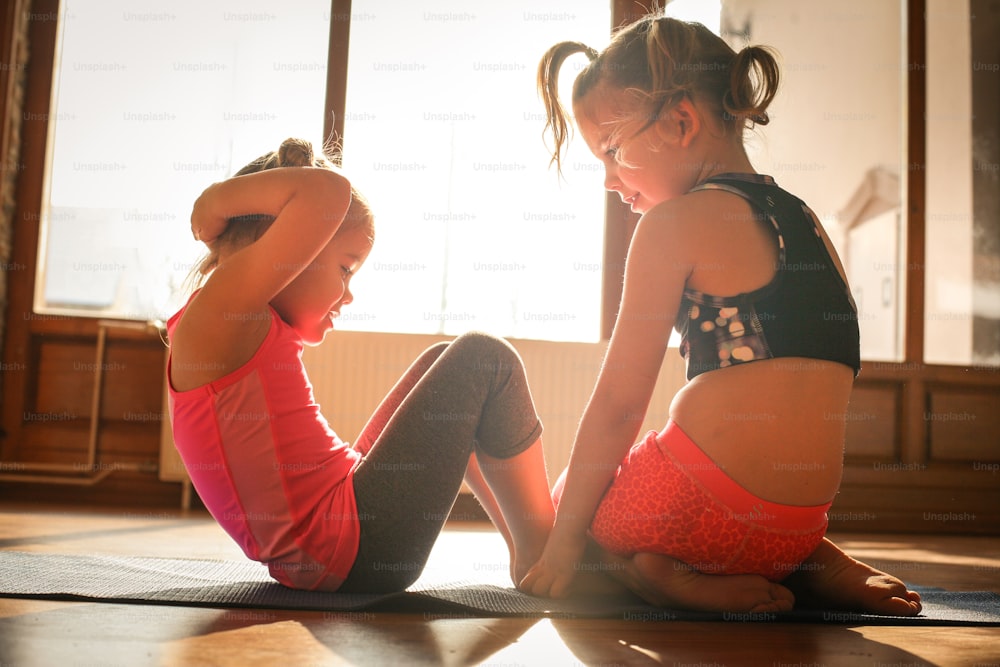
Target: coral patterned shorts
{"x":669,"y":497}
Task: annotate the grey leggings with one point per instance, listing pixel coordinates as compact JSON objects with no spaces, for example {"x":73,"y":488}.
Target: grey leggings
{"x":457,"y":398}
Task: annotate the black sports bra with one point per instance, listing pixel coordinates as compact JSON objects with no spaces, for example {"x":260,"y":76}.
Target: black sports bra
{"x":805,"y":311}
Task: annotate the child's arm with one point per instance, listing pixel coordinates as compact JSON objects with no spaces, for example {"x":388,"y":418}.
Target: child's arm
{"x":308,"y":205}
{"x":225,"y":323}
{"x":655,"y":272}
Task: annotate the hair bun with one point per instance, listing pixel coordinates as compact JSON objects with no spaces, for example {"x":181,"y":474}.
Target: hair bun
{"x":295,"y":153}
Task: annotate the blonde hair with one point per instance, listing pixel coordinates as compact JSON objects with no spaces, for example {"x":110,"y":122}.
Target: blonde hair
{"x":245,"y":229}
{"x":656,"y":62}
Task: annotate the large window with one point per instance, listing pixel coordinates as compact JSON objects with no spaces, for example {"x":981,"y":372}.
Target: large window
{"x":443,"y":129}
{"x":442,"y":132}
{"x":150,"y":105}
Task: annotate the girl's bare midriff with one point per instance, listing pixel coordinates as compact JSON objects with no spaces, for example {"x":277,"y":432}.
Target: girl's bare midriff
{"x":775,"y":426}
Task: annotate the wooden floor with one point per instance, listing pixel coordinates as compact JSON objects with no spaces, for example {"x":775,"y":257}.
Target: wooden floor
{"x":64,"y":634}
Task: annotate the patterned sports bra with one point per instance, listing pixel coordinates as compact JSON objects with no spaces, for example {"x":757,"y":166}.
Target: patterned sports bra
{"x":805,"y":311}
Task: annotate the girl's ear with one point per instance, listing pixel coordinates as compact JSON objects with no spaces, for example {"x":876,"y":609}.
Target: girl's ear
{"x":682,"y":123}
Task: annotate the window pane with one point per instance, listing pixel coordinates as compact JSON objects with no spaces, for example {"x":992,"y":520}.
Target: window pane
{"x":835,"y":137}
{"x":152,"y":104}
{"x":963,"y":172}
{"x":443,"y":134}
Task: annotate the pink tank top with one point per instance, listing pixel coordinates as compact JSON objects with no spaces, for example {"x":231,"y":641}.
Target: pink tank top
{"x":268,"y":466}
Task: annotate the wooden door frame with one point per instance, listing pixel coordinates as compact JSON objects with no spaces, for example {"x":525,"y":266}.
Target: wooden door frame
{"x":22,"y":324}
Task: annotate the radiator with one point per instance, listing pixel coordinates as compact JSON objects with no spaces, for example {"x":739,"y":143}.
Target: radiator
{"x":352,"y":371}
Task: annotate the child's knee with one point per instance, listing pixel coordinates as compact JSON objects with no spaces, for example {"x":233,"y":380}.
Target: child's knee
{"x":437,"y":348}
{"x":483,"y":352}
{"x":431,"y":354}
{"x":478,"y":340}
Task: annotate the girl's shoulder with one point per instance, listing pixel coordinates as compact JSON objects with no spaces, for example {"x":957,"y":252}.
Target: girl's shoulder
{"x":717,"y":235}
{"x":697,"y":216}
{"x":209,"y":341}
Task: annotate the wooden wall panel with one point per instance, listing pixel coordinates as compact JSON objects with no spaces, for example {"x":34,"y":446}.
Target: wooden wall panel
{"x":56,"y":428}
{"x":960,"y":420}
{"x":872,"y":423}
{"x":58,"y":413}
{"x":132,"y":390}
{"x":917,"y":501}
{"x":54,"y":441}
{"x":64,"y":390}
{"x":944,"y":472}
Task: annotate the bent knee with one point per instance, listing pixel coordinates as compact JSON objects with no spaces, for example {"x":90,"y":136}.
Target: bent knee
{"x":486,"y":352}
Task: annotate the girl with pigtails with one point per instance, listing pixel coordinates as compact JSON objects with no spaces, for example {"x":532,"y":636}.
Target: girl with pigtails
{"x":739,"y":480}
{"x":285,"y":236}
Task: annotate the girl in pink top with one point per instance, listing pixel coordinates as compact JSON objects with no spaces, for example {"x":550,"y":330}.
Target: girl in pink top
{"x":285,"y":236}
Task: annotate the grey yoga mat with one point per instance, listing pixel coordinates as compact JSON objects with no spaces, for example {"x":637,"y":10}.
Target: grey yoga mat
{"x":245,"y":584}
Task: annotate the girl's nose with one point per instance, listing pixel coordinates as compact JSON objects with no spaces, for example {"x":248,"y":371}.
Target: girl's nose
{"x":611,"y":181}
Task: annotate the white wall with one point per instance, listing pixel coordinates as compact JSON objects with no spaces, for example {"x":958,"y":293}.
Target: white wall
{"x":840,"y":112}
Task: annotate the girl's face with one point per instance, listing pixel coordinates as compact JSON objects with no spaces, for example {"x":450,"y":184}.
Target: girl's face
{"x":655,"y":170}
{"x":311,"y":302}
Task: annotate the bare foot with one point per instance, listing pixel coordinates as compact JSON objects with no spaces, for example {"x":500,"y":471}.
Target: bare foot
{"x":528,"y":514}
{"x":667,"y":582}
{"x":830,"y":579}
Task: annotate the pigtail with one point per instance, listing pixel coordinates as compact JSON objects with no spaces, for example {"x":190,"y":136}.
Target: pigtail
{"x":556,"y":117}
{"x":753,"y":83}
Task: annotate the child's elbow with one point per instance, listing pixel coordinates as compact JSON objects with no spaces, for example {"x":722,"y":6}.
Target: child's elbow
{"x":330,"y":190}
{"x":333,"y":184}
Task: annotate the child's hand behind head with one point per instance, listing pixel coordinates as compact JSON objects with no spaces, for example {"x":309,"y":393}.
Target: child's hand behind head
{"x":224,"y":233}
{"x":209,"y":221}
